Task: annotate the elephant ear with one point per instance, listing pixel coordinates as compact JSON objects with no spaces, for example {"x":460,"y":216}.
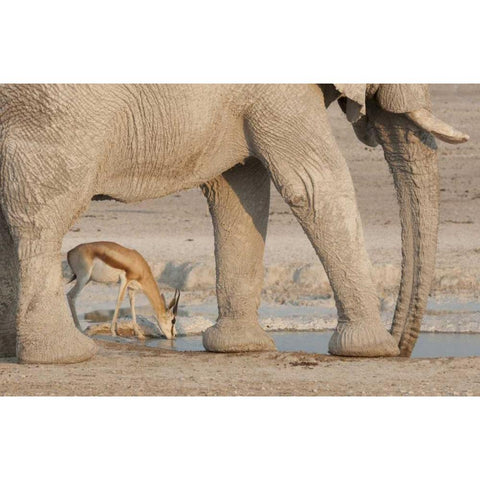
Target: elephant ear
{"x":392,"y":97}
{"x":354,"y":94}
{"x":414,"y":101}
{"x":403,"y":97}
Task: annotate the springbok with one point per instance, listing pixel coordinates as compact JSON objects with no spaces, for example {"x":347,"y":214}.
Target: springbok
{"x":109,"y":262}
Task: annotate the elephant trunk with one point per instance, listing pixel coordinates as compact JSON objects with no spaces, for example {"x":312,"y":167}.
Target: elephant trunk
{"x":411,"y":154}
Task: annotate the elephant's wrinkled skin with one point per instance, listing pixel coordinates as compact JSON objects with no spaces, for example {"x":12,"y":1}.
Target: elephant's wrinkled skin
{"x":61,"y":145}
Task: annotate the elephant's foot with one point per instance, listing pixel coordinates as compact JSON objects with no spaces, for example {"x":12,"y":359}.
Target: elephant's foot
{"x":49,"y":345}
{"x":355,"y":339}
{"x":237,"y":335}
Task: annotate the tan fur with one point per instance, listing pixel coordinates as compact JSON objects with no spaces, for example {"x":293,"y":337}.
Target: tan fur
{"x":108,"y":262}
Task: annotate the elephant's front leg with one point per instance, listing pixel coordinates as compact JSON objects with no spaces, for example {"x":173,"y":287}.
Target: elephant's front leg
{"x":327,"y":210}
{"x":312,"y":176}
{"x":239,"y":201}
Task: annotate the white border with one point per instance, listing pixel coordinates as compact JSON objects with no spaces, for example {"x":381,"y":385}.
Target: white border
{"x":247,"y":41}
{"x":238,"y":438}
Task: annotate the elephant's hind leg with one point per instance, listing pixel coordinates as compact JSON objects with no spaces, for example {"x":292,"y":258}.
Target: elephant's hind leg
{"x":8,"y":291}
{"x":239,"y":201}
{"x":46,"y":333}
{"x":37,"y":221}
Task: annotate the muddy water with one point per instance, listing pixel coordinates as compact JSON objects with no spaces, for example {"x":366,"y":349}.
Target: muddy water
{"x":447,"y":315}
{"x":451,"y":326}
{"x":428,"y":344}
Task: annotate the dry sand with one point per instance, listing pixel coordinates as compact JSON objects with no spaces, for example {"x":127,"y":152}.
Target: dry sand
{"x":134,"y":370}
{"x":178,"y":229}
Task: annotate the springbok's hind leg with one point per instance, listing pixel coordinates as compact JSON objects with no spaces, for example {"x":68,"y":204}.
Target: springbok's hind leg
{"x":82,"y":270}
{"x":238,"y":201}
{"x":72,"y":295}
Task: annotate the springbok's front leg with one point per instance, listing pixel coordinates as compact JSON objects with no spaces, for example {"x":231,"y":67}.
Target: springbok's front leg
{"x":121,"y":296}
{"x":136,"y":328}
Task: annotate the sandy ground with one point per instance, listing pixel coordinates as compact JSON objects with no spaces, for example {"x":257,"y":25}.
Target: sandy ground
{"x":135,"y":370}
{"x":178,"y":229}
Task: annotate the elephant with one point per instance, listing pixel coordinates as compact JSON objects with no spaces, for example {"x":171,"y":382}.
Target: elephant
{"x":63,"y":145}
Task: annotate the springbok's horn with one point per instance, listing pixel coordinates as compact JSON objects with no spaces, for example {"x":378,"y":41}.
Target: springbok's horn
{"x":177,"y":298}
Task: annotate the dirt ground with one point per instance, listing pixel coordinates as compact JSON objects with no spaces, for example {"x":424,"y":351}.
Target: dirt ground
{"x":178,"y":228}
{"x":121,"y":369}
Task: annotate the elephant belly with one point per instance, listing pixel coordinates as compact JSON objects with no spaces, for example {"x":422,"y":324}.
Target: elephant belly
{"x":103,"y":273}
{"x":158,"y":151}
{"x":169,"y":174}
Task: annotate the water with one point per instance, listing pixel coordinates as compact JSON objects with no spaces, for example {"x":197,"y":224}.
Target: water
{"x":447,"y":314}
{"x":305,"y":327}
{"x":428,"y":345}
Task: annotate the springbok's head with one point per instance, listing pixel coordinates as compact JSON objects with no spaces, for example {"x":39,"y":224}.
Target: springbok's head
{"x":167,"y":320}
